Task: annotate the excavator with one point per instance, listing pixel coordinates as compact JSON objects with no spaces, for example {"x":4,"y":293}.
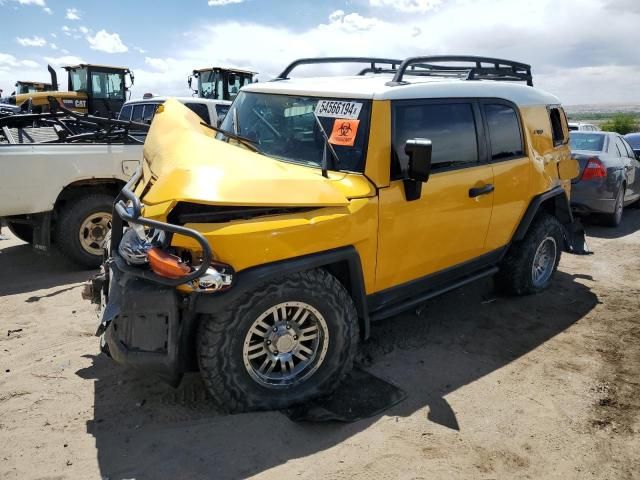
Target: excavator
{"x":95,"y":89}
{"x":219,"y":83}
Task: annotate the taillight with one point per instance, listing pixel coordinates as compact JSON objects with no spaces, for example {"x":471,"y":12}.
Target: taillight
{"x":165,"y":264}
{"x":594,"y":169}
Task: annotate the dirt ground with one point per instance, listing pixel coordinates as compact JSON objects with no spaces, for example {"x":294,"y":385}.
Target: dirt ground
{"x":546,"y":386}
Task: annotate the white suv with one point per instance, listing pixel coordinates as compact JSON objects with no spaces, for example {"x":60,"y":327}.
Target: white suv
{"x":143,"y":110}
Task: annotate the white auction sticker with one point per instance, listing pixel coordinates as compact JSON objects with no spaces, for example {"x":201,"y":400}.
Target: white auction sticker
{"x":338,"y":109}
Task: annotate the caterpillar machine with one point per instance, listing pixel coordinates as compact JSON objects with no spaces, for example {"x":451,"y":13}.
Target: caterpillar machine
{"x":95,"y":89}
{"x":25,"y":86}
{"x":219,"y":83}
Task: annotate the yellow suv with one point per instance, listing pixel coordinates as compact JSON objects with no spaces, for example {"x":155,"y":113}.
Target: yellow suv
{"x":260,"y":251}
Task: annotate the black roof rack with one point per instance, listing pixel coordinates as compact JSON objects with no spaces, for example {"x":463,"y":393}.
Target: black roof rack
{"x":372,"y":61}
{"x":482,"y":68}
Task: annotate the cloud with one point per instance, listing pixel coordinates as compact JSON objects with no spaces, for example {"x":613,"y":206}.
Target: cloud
{"x":37,"y":3}
{"x":9,"y":61}
{"x":53,"y":35}
{"x":72,"y":14}
{"x":34,"y":41}
{"x":83,"y":30}
{"x":139,"y":50}
{"x":159,"y":64}
{"x":352,"y":22}
{"x":107,"y":42}
{"x":53,"y":46}
{"x":64,"y":60}
{"x":407,"y":6}
{"x":219,"y":3}
{"x":47,"y":10}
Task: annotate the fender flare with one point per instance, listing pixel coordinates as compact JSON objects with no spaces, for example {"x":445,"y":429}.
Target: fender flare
{"x":574,"y":235}
{"x":562,"y":211}
{"x":253,"y":277}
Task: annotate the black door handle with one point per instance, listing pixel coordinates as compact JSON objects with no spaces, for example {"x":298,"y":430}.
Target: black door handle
{"x":476,"y":192}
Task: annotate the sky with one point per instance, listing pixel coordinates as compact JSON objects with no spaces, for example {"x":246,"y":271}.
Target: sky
{"x":583,"y":51}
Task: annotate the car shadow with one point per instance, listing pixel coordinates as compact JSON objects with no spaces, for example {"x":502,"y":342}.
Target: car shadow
{"x":22,"y":270}
{"x":144,"y":429}
{"x":630,"y":224}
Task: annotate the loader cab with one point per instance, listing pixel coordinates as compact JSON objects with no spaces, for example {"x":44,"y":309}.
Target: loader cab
{"x":104,"y":87}
{"x":219,"y":83}
{"x":31,"y":87}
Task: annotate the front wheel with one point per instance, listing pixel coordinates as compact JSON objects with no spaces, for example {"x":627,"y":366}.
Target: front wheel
{"x":530,"y":264}
{"x":292,"y":340}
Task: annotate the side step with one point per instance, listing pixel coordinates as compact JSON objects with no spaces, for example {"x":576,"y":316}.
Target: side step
{"x":400,"y":307}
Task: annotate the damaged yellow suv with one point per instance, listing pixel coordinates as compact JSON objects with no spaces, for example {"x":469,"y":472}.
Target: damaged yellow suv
{"x":260,"y":251}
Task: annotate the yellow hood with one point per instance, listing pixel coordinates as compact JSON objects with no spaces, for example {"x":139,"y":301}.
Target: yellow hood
{"x":189,"y":164}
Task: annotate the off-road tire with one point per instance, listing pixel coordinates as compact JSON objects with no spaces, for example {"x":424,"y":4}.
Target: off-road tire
{"x":221,"y":336}
{"x":21,"y":230}
{"x":68,"y":225}
{"x":515,"y":276}
{"x":614,"y":219}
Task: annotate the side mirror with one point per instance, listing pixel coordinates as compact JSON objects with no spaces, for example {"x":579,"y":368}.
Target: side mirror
{"x":419,"y":151}
{"x":189,"y":80}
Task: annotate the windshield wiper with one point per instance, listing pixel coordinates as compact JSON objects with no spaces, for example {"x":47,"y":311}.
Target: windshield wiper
{"x":247,"y":142}
{"x":327,"y":145}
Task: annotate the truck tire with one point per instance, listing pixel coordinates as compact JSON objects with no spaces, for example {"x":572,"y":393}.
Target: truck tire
{"x":530,"y":264}
{"x":21,"y":230}
{"x":82,"y":227}
{"x":286,"y":342}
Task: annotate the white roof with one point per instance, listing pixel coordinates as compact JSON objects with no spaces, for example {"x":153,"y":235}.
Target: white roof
{"x":375,"y":87}
{"x":163,"y":98}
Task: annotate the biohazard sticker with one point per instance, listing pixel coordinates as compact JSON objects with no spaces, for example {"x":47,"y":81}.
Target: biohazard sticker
{"x":344,"y":132}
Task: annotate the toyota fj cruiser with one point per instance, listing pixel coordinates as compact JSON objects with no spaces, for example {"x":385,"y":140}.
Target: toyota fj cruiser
{"x":260,"y":252}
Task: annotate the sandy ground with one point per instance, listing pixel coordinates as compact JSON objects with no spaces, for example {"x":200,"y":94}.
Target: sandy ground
{"x":539,"y":387}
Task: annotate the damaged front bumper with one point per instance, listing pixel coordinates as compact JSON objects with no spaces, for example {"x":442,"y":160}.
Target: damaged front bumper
{"x":145,"y":322}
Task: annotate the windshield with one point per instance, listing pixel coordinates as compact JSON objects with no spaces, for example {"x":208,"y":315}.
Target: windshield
{"x":284,"y":126}
{"x":209,"y":84}
{"x":107,"y":85}
{"x":587,"y":141}
{"x":78,"y":80}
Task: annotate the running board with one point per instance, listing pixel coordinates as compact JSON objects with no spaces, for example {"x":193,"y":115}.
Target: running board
{"x":397,"y":308}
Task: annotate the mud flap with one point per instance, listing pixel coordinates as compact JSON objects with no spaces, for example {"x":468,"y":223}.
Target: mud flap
{"x":575,"y":239}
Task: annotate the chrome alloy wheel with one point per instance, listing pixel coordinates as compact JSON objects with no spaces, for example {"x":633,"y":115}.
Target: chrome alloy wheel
{"x":93,"y":232}
{"x":285,"y":345}
{"x":543,"y":261}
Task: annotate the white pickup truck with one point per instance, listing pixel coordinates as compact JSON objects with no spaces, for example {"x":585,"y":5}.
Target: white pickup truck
{"x":63,"y":193}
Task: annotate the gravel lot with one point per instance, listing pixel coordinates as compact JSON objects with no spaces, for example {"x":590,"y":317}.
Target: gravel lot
{"x":538,"y":387}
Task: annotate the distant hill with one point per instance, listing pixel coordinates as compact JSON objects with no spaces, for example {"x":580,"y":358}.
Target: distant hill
{"x":599,"y":113}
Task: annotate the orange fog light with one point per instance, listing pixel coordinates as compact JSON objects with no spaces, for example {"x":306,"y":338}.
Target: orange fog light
{"x":166,"y":265}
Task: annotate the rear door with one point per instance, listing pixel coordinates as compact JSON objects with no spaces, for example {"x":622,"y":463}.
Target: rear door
{"x":633,"y":171}
{"x":511,"y":169}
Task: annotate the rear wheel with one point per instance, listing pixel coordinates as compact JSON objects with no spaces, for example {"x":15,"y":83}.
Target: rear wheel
{"x":613,"y":219}
{"x":292,"y":340}
{"x":82,"y":228}
{"x":21,"y":230}
{"x":530,"y":264}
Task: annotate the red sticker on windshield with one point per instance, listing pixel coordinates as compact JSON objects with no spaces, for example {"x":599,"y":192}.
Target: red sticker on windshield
{"x":344,"y":132}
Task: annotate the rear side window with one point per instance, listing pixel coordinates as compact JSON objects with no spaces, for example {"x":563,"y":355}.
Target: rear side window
{"x":504,"y":132}
{"x":450,"y":127}
{"x":221,"y":111}
{"x":555,"y":116}
{"x":201,"y":110}
{"x":622,"y":148}
{"x":149,"y":112}
{"x":125,"y":113}
{"x":138,"y":111}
